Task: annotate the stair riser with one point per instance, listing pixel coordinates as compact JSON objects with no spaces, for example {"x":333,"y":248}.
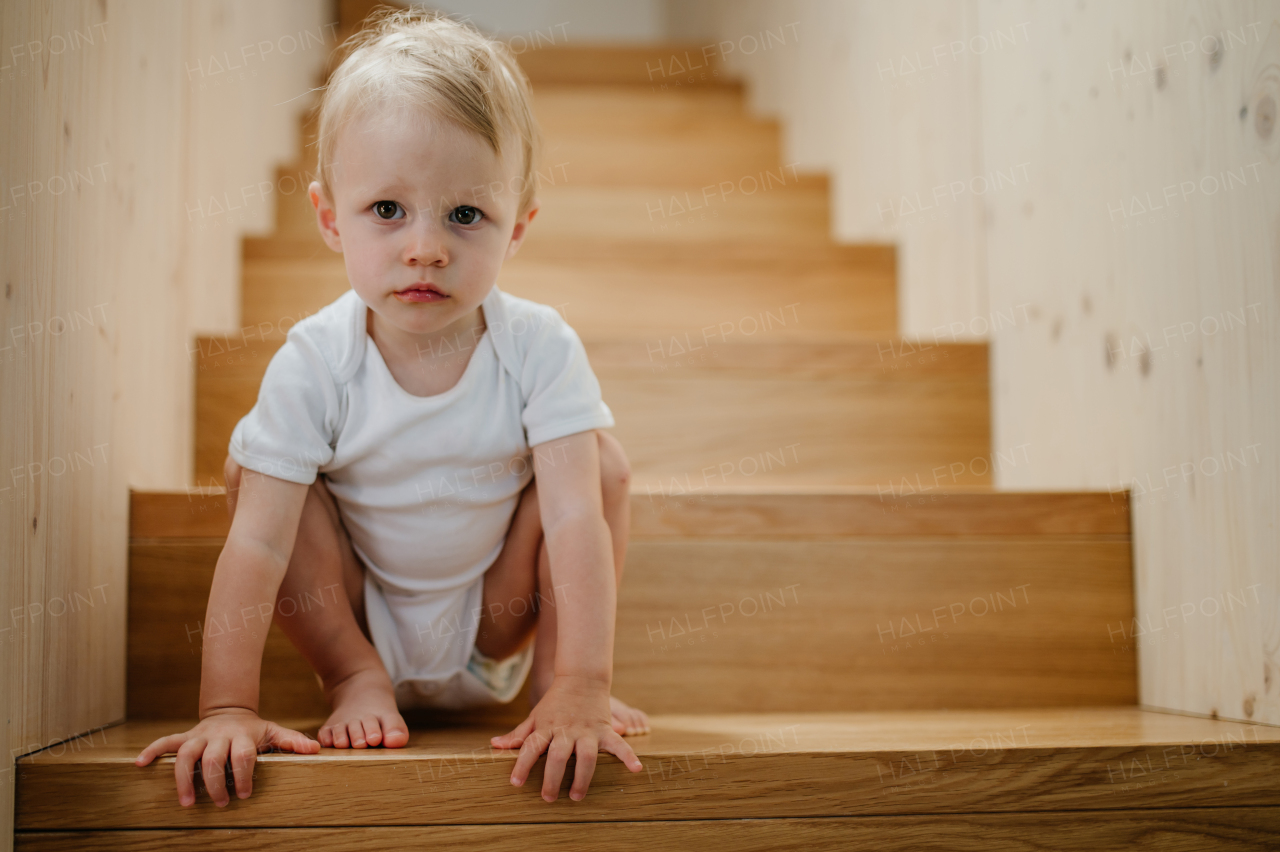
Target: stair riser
{"x":647,"y":66}
{"x":1183,"y":829}
{"x":776,"y":206}
{"x":714,"y":626}
{"x":732,"y":416}
{"x":631,"y":302}
{"x":116,"y":794}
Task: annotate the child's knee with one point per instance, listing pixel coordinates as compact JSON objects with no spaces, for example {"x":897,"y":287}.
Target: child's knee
{"x":615,"y":469}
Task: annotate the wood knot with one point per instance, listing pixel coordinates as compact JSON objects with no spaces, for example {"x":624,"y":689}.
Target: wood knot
{"x":1264,"y":116}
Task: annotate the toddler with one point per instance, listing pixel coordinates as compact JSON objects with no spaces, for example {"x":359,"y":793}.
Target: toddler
{"x":389,"y":463}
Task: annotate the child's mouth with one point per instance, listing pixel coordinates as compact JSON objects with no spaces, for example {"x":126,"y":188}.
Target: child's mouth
{"x":420,"y":293}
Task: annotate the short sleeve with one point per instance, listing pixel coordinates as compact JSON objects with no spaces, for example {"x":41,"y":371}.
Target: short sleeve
{"x":562,"y":393}
{"x":289,"y":432}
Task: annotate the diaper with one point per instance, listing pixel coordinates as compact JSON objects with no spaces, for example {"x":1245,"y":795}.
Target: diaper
{"x":483,"y":682}
{"x":458,"y":676}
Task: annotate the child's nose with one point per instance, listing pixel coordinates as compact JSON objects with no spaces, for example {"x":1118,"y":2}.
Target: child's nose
{"x":426,"y":246}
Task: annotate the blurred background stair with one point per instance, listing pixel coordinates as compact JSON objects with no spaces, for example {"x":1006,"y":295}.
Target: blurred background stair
{"x":843,"y":634}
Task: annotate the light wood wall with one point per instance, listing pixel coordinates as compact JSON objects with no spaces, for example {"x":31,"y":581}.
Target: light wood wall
{"x":1132,"y":301}
{"x":109,"y":140}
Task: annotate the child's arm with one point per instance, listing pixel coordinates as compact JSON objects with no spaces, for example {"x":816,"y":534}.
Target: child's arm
{"x":574,"y":714}
{"x":241,"y":601}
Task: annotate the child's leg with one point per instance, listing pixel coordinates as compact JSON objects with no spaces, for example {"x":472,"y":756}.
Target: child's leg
{"x":325,"y":587}
{"x":523,"y":573}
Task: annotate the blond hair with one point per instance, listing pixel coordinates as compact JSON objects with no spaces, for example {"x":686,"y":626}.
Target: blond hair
{"x":408,"y":57}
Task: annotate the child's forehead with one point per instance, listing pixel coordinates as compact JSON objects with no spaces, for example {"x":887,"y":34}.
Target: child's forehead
{"x":415,"y":144}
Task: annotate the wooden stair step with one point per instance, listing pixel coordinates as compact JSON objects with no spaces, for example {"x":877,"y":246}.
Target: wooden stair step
{"x":758,"y":414}
{"x":625,"y":136}
{"x":647,"y":65}
{"x":706,"y":256}
{"x":1013,"y":765}
{"x":1243,"y":828}
{"x":565,"y":108}
{"x":873,"y":602}
{"x":696,"y":413}
{"x":821,"y":297}
{"x":790,"y":213}
{"x":775,"y":514}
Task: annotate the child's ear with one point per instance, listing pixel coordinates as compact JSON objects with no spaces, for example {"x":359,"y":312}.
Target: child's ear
{"x":521,"y":228}
{"x":326,"y":218}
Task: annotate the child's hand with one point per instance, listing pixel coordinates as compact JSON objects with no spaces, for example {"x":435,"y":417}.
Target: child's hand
{"x":573,"y":716}
{"x":239,"y":733}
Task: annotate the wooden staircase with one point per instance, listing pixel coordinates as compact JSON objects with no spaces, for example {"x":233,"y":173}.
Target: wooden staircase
{"x":842,"y":634}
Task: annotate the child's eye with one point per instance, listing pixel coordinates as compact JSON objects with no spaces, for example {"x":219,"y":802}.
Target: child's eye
{"x":387,"y":210}
{"x":465,"y":215}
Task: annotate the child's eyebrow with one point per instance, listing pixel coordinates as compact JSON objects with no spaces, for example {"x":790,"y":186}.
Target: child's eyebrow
{"x":390,"y":188}
{"x":469,"y":195}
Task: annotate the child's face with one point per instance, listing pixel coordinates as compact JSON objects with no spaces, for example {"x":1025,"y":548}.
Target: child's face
{"x":424,"y":214}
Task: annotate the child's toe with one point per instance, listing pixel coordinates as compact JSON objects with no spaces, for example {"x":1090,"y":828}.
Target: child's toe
{"x":395,"y":733}
{"x":372,"y":730}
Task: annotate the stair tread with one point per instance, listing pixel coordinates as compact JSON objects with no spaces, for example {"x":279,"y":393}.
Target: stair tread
{"x":759,"y":765}
{"x":846,"y":733}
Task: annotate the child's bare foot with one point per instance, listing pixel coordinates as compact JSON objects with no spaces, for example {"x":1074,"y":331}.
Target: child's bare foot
{"x":627,"y":720}
{"x":364,"y":714}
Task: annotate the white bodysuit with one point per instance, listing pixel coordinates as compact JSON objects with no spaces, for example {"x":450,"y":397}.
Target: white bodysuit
{"x":426,"y":486}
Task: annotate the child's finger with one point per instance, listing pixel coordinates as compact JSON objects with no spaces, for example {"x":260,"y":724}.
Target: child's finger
{"x":213,"y":768}
{"x":557,"y":761}
{"x":515,"y":738}
{"x":164,"y":745}
{"x":184,"y":770}
{"x":287,"y":738}
{"x":586,"y":749}
{"x":243,"y":754}
{"x":617,"y":746}
{"x":529,"y":754}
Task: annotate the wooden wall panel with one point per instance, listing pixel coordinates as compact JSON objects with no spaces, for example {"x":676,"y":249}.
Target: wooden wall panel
{"x":99,"y":261}
{"x":1130,"y":270}
{"x":247,"y":71}
{"x":1147,"y":249}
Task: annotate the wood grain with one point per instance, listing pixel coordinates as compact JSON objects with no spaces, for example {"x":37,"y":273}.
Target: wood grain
{"x":642,"y":65}
{"x":754,"y":623}
{"x":1113,"y":235}
{"x":731,"y":415}
{"x":1188,"y":829}
{"x":830,"y":295}
{"x":118,"y":134}
{"x":633,"y":136}
{"x":1182,"y":375}
{"x":698,"y":767}
{"x":773,"y":514}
